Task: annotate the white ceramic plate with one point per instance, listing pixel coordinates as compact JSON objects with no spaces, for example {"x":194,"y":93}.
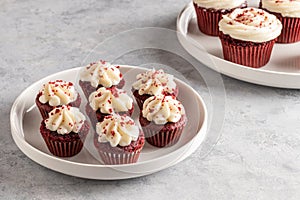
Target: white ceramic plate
{"x":25,"y":121}
{"x":283,"y":70}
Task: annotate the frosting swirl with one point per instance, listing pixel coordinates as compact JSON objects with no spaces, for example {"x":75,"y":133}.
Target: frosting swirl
{"x":101,"y":73}
{"x":154,"y":82}
{"x":251,"y":24}
{"x":110,"y":100}
{"x":117,"y":130}
{"x":217,"y":4}
{"x":65,"y":119}
{"x":58,"y":92}
{"x":162,"y":109}
{"x":287,"y":8}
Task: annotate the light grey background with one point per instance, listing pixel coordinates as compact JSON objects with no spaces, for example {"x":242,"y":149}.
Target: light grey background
{"x":257,"y":156}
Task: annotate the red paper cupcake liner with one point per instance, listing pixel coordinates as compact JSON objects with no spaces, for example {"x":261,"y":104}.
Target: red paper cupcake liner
{"x":61,"y":147}
{"x":208,"y":21}
{"x":249,"y":54}
{"x":110,"y":158}
{"x":162,"y":138}
{"x":290,"y":28}
{"x":45,"y":108}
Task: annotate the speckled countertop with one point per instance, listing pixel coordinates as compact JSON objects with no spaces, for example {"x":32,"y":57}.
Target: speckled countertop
{"x":256,"y":157}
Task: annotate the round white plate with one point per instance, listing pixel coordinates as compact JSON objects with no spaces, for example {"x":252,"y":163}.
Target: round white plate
{"x":283,"y":69}
{"x":25,"y":121}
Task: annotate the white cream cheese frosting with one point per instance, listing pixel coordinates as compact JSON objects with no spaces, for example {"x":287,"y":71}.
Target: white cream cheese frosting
{"x":65,"y":119}
{"x":162,"y":109}
{"x":117,"y":130}
{"x":101,"y":73}
{"x":251,"y":24}
{"x":58,"y":92}
{"x":110,"y":100}
{"x":154,"y":82}
{"x":218,"y":5}
{"x":287,"y":8}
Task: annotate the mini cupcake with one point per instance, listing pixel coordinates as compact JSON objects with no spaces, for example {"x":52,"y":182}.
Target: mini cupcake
{"x":107,"y":101}
{"x":209,"y":13}
{"x":288,"y":12}
{"x":152,"y":83}
{"x":119,"y":140}
{"x":56,"y":93}
{"x":163,"y":120}
{"x":100,"y":74}
{"x":65,"y":130}
{"x":248,"y":36}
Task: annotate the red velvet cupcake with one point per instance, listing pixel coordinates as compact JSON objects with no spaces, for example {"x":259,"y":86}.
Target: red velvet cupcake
{"x":65,"y":130}
{"x":100,"y":74}
{"x":163,"y":120}
{"x":248,"y":36}
{"x":107,"y":101}
{"x":209,"y":13}
{"x":288,"y":12}
{"x":151,"y":83}
{"x":118,"y":140}
{"x":56,"y":93}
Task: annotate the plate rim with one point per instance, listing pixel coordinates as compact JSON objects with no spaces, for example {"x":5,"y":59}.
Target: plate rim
{"x":186,"y":14}
{"x":19,"y":140}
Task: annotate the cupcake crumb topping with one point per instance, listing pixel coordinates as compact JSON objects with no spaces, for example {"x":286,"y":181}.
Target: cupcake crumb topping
{"x":287,"y":8}
{"x":117,"y":130}
{"x":65,"y":119}
{"x":154,"y":82}
{"x":58,"y":92}
{"x":101,"y":73}
{"x":251,"y":24}
{"x":110,"y":100}
{"x":162,"y":109}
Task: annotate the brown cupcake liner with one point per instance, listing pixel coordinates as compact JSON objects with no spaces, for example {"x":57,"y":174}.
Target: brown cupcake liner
{"x":162,"y":138}
{"x":110,"y":158}
{"x":250,"y":54}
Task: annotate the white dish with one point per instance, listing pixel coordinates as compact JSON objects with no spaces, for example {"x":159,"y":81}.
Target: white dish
{"x":283,"y":70}
{"x":25,"y":121}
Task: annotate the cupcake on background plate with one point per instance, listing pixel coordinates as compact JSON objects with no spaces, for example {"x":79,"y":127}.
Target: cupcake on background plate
{"x":151,"y":83}
{"x":288,"y":12}
{"x":119,"y":140}
{"x":56,"y":93}
{"x":163,"y":120}
{"x":64,"y":131}
{"x":248,"y":36}
{"x":100,"y":74}
{"x":209,"y":13}
{"x":107,"y":101}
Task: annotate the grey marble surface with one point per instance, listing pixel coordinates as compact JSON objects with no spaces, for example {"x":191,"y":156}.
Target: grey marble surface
{"x":256,"y":157}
